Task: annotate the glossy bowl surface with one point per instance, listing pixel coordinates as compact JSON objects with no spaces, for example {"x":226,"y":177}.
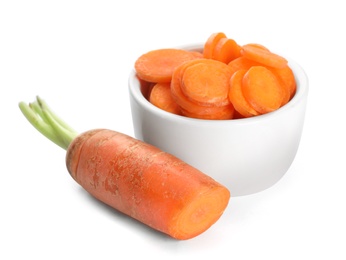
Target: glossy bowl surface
{"x":246,"y":155}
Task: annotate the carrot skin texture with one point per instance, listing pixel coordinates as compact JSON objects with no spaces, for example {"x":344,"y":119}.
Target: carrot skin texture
{"x":146,"y":183}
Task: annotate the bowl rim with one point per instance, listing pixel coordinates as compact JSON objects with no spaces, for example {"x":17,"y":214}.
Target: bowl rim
{"x":301,"y":93}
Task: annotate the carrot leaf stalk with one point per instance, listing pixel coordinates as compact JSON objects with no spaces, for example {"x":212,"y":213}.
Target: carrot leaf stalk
{"x":48,"y":123}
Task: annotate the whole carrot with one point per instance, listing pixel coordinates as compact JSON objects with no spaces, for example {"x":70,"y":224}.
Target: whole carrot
{"x":134,"y":177}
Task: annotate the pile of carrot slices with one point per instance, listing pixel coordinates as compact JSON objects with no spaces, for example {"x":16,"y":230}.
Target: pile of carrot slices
{"x":223,"y":81}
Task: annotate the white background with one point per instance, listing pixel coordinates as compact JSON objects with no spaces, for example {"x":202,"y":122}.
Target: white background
{"x":77,"y":56}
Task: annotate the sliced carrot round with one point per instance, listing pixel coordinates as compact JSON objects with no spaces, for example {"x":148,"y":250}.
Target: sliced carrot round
{"x":158,"y":65}
{"x":241,"y":63}
{"x":263,"y":56}
{"x":161,"y":97}
{"x":184,"y":103}
{"x":286,"y":87}
{"x":197,"y":54}
{"x":210,"y":44}
{"x":222,"y":113}
{"x":176,"y":91}
{"x":257,"y":45}
{"x":286,"y":76}
{"x":207,"y":82}
{"x":236,"y":95}
{"x":262,"y":89}
{"x":226,"y":50}
{"x":146,"y":87}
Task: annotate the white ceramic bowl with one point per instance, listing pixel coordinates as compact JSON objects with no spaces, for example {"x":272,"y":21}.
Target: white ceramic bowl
{"x":246,"y":155}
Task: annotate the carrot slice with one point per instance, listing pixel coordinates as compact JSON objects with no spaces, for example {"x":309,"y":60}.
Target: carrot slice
{"x":207,"y":82}
{"x":197,"y":54}
{"x":161,"y":97}
{"x":186,"y":104}
{"x":257,"y":45}
{"x":176,"y":91}
{"x":237,"y":115}
{"x":145,"y":87}
{"x":241,"y":63}
{"x":211,"y":43}
{"x":220,"y":113}
{"x":286,"y":86}
{"x":263,"y":56}
{"x":226,"y":50}
{"x":286,"y":76}
{"x":236,"y":95}
{"x":262,"y":89}
{"x":158,"y":65}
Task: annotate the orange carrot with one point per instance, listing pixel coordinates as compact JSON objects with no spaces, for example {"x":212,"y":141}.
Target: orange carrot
{"x":161,"y":97}
{"x":146,"y":87}
{"x":236,"y":95}
{"x":226,"y":50}
{"x":262,"y":89}
{"x":207,"y":82}
{"x":257,"y":45}
{"x":286,"y":76}
{"x":158,"y":65}
{"x":197,"y":54}
{"x":201,"y":86}
{"x":134,"y":177}
{"x":193,"y":109}
{"x":241,"y":63}
{"x":263,"y":56}
{"x":145,"y":183}
{"x":237,"y":115}
{"x":176,"y":91}
{"x":285,"y":85}
{"x":210,"y":44}
{"x":219,"y":113}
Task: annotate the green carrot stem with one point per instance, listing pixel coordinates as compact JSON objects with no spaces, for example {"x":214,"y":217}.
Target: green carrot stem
{"x":55,"y":116}
{"x":48,"y":123}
